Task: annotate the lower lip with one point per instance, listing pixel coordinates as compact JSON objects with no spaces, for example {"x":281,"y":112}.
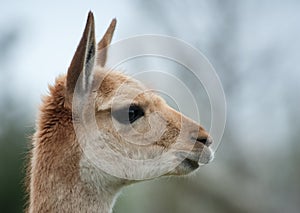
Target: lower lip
{"x":192,"y":164}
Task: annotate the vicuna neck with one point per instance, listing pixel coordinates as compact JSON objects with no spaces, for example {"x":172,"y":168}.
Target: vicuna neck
{"x":55,"y":174}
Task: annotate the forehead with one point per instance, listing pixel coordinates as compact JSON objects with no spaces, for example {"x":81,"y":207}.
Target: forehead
{"x":116,"y":89}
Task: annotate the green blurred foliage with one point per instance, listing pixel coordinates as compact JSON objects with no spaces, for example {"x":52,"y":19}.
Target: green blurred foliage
{"x":12,"y":158}
{"x":14,"y":131}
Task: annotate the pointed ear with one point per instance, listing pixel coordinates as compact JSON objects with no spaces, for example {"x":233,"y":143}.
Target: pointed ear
{"x":105,"y":41}
{"x":80,"y":70}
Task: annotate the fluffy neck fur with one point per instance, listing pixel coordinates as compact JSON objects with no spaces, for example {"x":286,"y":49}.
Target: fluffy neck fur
{"x":60,"y":180}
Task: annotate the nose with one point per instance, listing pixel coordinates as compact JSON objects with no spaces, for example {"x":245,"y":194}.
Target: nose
{"x":207,"y":140}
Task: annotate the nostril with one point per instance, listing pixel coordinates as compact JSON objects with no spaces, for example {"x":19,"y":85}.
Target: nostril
{"x":205,"y":140}
{"x":202,"y":140}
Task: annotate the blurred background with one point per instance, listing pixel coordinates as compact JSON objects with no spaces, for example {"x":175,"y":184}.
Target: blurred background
{"x":254,"y":46}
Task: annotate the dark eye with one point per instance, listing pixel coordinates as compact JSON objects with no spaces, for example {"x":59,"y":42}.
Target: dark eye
{"x":129,"y":114}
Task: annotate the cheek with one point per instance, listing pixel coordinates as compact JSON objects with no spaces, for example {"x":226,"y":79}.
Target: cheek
{"x":169,"y":136}
{"x":150,"y":129}
{"x":158,"y":126}
{"x":153,"y":129}
{"x":145,"y":131}
{"x":141,"y":126}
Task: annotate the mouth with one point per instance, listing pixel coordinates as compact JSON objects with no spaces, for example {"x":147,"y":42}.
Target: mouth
{"x":193,"y":160}
{"x":192,"y":164}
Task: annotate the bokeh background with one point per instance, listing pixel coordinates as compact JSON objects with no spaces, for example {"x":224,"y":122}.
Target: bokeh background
{"x":254,"y":46}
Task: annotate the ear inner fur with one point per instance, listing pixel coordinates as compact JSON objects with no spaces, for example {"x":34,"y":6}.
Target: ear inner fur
{"x":82,"y":59}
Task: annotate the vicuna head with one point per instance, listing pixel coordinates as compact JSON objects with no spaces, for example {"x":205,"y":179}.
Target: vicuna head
{"x":99,"y":130}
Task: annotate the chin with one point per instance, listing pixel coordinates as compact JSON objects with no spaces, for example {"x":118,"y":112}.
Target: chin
{"x":186,"y":167}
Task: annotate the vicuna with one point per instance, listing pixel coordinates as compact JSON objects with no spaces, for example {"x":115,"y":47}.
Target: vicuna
{"x":66,"y":172}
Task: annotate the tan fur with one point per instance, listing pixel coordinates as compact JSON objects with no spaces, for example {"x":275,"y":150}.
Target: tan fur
{"x":62,"y":178}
